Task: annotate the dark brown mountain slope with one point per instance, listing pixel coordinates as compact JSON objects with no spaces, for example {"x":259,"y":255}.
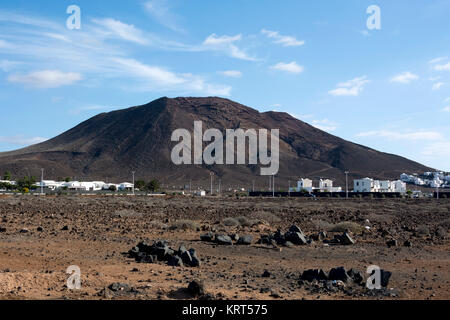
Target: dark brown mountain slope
{"x":111,"y":145}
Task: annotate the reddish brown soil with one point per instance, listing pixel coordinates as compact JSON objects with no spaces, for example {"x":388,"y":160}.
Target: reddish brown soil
{"x":101,"y":229}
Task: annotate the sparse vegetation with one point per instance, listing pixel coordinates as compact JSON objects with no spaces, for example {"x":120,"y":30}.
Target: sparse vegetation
{"x":423,"y":230}
{"x":347,"y":225}
{"x":184,"y":225}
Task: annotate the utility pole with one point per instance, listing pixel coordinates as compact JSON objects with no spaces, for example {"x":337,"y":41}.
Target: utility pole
{"x":42,"y":181}
{"x":273,"y":186}
{"x":289,"y":189}
{"x":346,"y":184}
{"x":211,"y":174}
{"x":133,"y":181}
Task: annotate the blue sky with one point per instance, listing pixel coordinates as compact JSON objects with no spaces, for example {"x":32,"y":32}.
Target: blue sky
{"x":388,"y":89}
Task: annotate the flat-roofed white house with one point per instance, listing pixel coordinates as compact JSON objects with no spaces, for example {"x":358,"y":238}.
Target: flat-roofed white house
{"x":304,"y":184}
{"x":398,"y":186}
{"x":49,"y":184}
{"x":363,"y":185}
{"x":10,"y":182}
{"x":125,"y":186}
{"x":385,"y":186}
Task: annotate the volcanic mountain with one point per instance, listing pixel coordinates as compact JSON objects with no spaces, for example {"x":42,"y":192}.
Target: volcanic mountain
{"x":111,"y":145}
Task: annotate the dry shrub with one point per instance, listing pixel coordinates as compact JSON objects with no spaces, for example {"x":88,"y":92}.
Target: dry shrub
{"x":380,"y":218}
{"x":268,"y":217}
{"x":240,"y":221}
{"x":445,"y":224}
{"x":423,"y":230}
{"x":230,"y":222}
{"x":125,"y":213}
{"x":323,"y":225}
{"x":184,"y":225}
{"x":157,"y":225}
{"x":347,"y":225}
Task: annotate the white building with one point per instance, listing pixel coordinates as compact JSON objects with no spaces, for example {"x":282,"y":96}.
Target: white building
{"x":398,"y":186}
{"x":364,"y":185}
{"x":49,"y":184}
{"x":303,"y":184}
{"x":125,"y":186}
{"x":200,"y":193}
{"x":370,"y":185}
{"x":10,"y":182}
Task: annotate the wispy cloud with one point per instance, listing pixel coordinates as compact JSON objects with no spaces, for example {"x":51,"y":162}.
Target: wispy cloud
{"x":437,"y":149}
{"x":436,"y":60}
{"x":291,"y":67}
{"x":231,"y":73}
{"x":395,"y":135}
{"x":226,"y":44}
{"x":446,"y":109}
{"x":350,"y":88}
{"x":442,"y":67}
{"x":325,"y":125}
{"x":7,"y":65}
{"x":21,"y":140}
{"x":89,"y":52}
{"x":46,"y":78}
{"x":285,"y":41}
{"x":437,"y":85}
{"x":160,"y":10}
{"x":79,"y":110}
{"x":404,"y":78}
{"x":118,"y":29}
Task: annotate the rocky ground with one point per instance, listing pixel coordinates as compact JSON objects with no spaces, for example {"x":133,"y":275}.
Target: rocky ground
{"x":240,"y":253}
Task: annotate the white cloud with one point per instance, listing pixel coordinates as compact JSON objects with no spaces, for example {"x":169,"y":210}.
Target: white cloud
{"x":291,"y":67}
{"x":325,"y":125}
{"x":436,"y":60}
{"x":4,"y":44}
{"x":7,"y":65}
{"x":447,"y":100}
{"x":365,"y":33}
{"x":350,"y":88}
{"x":442,"y":67}
{"x":77,"y":111}
{"x":437,"y":85}
{"x":231,"y":73}
{"x":46,"y":78}
{"x":285,"y":41}
{"x":437,"y":149}
{"x":155,"y":77}
{"x":226,"y":44}
{"x":122,"y":30}
{"x":446,"y":109}
{"x":161,"y":12}
{"x":395,"y":135}
{"x":405,"y":78}
{"x":21,"y":140}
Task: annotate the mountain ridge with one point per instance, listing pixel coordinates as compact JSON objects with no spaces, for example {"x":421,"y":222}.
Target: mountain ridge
{"x":111,"y":145}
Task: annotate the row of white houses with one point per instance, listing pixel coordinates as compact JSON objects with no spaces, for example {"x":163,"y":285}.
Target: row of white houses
{"x":371,"y":185}
{"x":83,"y":186}
{"x":359,"y":185}
{"x":325,"y":185}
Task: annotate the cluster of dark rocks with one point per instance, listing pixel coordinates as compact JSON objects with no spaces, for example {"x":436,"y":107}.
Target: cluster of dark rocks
{"x":223,"y":239}
{"x":160,"y":251}
{"x":340,"y":279}
{"x":295,"y":236}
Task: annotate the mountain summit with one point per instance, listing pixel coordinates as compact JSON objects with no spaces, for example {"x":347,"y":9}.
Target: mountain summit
{"x":111,"y":145}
